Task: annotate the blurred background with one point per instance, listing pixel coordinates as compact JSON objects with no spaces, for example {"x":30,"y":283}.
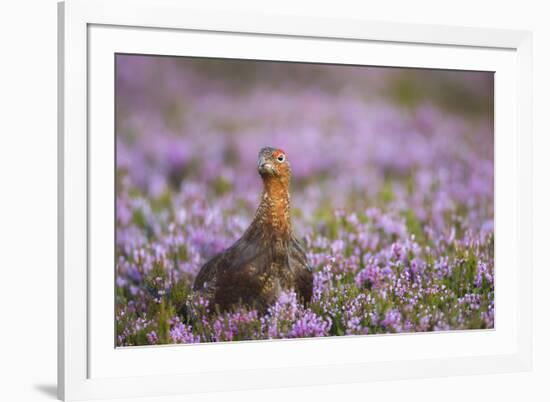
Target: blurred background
{"x":356,"y":136}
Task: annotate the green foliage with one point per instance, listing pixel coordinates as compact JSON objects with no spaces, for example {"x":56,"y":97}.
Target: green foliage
{"x":414,"y":226}
{"x":386,"y":193}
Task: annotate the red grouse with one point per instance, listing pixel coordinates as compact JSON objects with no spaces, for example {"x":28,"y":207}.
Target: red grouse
{"x":268,"y":258}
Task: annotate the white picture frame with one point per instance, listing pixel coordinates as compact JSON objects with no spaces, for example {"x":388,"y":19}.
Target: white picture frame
{"x":89,"y":365}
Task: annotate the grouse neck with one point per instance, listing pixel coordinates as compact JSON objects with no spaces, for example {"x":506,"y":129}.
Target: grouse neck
{"x":274,"y":209}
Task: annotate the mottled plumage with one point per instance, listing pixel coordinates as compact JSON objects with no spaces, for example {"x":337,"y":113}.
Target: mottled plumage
{"x":268,"y":258}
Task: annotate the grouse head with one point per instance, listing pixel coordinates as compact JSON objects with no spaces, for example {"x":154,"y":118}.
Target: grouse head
{"x":273,"y":165}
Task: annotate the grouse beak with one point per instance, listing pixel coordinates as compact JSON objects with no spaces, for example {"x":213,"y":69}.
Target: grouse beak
{"x":264,"y":166}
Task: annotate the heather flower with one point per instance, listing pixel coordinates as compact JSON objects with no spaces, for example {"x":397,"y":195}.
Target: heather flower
{"x":152,"y":338}
{"x":482,"y":273}
{"x":392,"y":320}
{"x":309,"y":325}
{"x":181,"y":333}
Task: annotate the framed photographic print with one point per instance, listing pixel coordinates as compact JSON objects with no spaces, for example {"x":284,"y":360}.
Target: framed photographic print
{"x":252,"y":201}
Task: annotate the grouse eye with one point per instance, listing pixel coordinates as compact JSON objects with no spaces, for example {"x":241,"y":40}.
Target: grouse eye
{"x":281,"y":158}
